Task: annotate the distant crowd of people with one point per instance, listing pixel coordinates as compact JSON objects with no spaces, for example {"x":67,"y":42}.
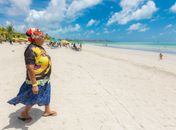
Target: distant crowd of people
{"x":73,"y":46}
{"x":52,"y":44}
{"x":11,"y":42}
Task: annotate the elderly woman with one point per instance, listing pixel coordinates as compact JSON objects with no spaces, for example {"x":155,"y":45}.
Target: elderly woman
{"x":36,"y":88}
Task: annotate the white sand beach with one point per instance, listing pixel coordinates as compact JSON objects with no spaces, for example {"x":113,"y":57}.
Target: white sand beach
{"x":98,"y":88}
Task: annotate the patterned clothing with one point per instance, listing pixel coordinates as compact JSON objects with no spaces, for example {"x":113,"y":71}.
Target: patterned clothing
{"x":37,"y":56}
{"x":26,"y":96}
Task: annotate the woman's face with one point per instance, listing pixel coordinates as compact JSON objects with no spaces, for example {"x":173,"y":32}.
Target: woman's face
{"x":39,"y":40}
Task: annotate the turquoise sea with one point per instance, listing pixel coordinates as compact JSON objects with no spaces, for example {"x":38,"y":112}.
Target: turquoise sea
{"x":160,"y":47}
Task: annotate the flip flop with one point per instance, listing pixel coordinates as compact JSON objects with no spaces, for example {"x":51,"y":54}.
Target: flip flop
{"x":29,"y":119}
{"x":53,"y":113}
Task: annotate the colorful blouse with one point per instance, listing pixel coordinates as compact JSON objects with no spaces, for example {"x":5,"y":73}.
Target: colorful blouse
{"x":37,"y":55}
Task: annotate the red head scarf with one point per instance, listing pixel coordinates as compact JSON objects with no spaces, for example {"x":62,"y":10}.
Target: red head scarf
{"x":33,"y":33}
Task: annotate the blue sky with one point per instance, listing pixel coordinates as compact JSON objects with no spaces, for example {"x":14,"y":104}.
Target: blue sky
{"x":117,"y":20}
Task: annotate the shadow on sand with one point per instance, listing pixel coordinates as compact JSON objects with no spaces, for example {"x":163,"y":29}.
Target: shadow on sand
{"x":15,"y":123}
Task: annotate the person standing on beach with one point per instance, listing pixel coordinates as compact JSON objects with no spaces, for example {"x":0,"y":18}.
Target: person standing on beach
{"x":161,"y":56}
{"x":36,"y":89}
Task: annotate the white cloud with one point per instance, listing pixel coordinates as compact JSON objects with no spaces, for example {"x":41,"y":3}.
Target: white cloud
{"x":92,"y":22}
{"x":106,"y":31}
{"x":57,"y":12}
{"x":169,"y":26}
{"x":16,"y":7}
{"x":133,"y":10}
{"x":75,"y":28}
{"x":138,"y":27}
{"x":2,"y":1}
{"x":20,"y":28}
{"x":91,"y":32}
{"x":77,"y":6}
{"x":7,"y":23}
{"x":173,"y":8}
{"x":54,"y":12}
{"x":69,"y":29}
{"x":63,"y":32}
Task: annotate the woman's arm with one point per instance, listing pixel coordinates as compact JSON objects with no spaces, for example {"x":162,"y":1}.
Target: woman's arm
{"x":31,"y":73}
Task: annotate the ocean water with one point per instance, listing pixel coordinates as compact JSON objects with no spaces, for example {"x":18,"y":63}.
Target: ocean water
{"x":159,"y":47}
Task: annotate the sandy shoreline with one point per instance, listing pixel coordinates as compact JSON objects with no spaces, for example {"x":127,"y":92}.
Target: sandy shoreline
{"x":96,"y":89}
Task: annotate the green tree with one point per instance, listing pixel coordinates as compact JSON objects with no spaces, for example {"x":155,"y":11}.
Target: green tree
{"x":10,"y":32}
{"x":47,"y":37}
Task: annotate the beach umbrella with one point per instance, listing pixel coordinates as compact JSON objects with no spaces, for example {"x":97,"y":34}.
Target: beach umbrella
{"x":55,"y":40}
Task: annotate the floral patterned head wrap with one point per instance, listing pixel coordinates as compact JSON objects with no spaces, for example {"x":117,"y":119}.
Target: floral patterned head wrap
{"x":34,"y":33}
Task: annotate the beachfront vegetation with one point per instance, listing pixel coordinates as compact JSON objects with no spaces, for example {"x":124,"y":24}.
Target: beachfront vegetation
{"x":8,"y":33}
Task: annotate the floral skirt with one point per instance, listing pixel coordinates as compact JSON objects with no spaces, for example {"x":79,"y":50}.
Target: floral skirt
{"x":26,"y":96}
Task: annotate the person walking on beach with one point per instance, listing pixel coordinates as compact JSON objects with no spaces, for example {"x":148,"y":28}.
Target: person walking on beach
{"x":36,"y":89}
{"x":80,"y":46}
{"x":161,"y":56}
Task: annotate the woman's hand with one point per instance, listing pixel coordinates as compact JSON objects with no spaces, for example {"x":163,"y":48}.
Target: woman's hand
{"x":35,"y":89}
{"x":31,"y":74}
